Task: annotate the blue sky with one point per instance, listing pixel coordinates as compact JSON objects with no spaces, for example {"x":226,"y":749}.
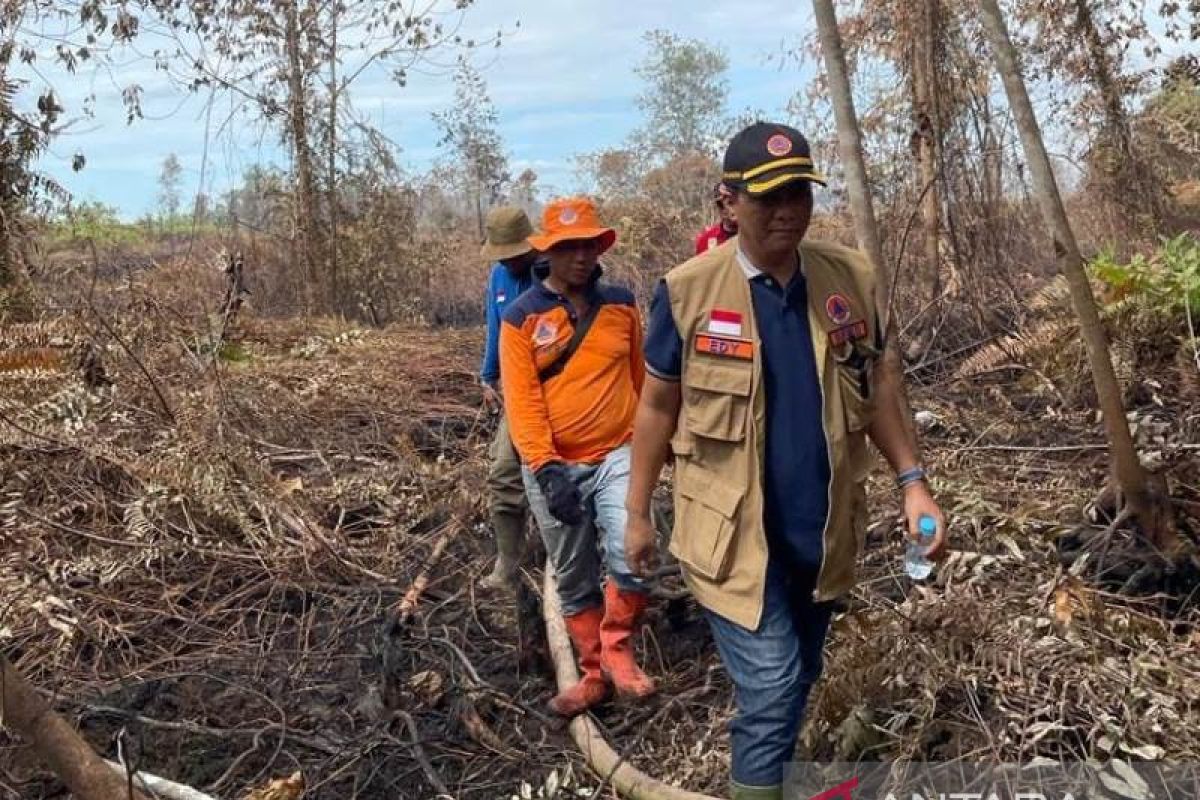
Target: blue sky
{"x":563,"y":83}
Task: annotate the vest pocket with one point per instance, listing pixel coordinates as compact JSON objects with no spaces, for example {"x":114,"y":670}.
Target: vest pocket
{"x":854,"y":368}
{"x":717,"y":398}
{"x":706,"y":510}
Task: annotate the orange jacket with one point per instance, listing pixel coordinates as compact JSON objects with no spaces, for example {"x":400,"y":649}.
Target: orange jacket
{"x":586,"y":411}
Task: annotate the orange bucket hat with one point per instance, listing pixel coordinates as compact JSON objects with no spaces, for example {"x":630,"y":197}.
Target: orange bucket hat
{"x":570,"y":218}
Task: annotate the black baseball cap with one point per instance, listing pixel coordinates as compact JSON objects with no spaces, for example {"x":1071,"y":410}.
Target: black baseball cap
{"x":768,"y":155}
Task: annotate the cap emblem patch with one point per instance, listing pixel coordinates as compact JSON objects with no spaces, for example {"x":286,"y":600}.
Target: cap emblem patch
{"x":779,"y":145}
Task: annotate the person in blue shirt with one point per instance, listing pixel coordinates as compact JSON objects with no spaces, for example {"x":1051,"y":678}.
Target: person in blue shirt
{"x":507,"y":246}
{"x":762,"y":385}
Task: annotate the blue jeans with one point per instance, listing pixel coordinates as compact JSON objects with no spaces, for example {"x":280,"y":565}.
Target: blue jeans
{"x":773,"y":669}
{"x":576,"y":550}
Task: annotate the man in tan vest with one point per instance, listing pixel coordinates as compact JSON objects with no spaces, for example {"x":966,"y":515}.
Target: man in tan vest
{"x":761,"y":380}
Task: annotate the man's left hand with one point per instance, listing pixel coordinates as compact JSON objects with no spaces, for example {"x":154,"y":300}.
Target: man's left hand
{"x":918,"y":502}
{"x":640,"y":541}
{"x":492,"y":400}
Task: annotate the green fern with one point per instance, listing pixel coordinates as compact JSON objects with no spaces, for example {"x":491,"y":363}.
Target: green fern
{"x":1142,"y":295}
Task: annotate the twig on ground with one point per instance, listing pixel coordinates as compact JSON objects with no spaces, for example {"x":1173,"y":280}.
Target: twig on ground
{"x":431,"y":774}
{"x":310,"y":740}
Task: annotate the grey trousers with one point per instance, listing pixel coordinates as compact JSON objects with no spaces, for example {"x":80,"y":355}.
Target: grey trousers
{"x":578,"y":551}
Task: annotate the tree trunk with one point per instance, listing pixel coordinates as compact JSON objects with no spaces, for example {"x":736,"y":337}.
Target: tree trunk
{"x":479,"y":208}
{"x":334,"y":95}
{"x":926,"y":135}
{"x":850,"y":143}
{"x":69,"y":757}
{"x":853,"y":163}
{"x":306,"y":206}
{"x":1127,"y":469}
{"x":7,"y":267}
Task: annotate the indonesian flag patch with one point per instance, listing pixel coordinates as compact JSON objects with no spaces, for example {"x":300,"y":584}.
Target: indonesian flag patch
{"x":725,"y":323}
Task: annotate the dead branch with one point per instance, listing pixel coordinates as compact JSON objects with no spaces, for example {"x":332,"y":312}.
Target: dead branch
{"x":601,"y":757}
{"x":478,"y":729}
{"x":311,"y":741}
{"x":408,"y":605}
{"x":431,"y":774}
{"x":159,"y":787}
{"x":142,"y":368}
{"x":1013,"y":448}
{"x":66,"y":753}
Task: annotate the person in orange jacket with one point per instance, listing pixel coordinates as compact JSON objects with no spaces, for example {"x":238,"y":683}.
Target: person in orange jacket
{"x":571,"y":369}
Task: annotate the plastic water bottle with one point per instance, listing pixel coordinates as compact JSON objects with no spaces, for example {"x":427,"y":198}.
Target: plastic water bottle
{"x":916,"y":564}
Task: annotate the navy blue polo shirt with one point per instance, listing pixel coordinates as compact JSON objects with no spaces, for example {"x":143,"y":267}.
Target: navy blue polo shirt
{"x":796,"y":481}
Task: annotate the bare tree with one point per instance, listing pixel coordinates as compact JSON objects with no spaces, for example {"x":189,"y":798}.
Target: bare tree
{"x":924,"y":76}
{"x":1142,"y":192}
{"x":170,"y":176}
{"x":333,"y":93}
{"x":1131,"y":478}
{"x":615,"y":172}
{"x":524,"y":192}
{"x":291,"y":63}
{"x":79,"y":31}
{"x":1085,"y":44}
{"x":470,"y":128}
{"x":298,"y":101}
{"x":855,"y":168}
{"x":930,"y":46}
{"x":850,"y":141}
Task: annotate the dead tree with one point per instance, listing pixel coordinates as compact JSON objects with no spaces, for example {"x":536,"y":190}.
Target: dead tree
{"x":1140,"y":502}
{"x":854,"y":165}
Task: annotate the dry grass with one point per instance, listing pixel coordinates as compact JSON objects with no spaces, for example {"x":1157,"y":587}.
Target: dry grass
{"x":206,"y":552}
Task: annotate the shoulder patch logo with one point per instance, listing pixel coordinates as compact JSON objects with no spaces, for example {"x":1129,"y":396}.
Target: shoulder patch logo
{"x":544,"y":333}
{"x":838,"y":308}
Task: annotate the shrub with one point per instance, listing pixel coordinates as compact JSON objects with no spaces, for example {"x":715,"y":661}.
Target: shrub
{"x":1169,"y":277}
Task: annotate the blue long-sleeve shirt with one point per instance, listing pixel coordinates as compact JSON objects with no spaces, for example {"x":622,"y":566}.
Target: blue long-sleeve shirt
{"x":503,"y":289}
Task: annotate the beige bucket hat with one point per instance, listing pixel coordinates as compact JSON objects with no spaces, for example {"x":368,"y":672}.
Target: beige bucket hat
{"x":508,"y":230}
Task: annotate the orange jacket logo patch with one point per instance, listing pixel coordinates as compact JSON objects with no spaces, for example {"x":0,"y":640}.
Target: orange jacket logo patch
{"x":544,"y":333}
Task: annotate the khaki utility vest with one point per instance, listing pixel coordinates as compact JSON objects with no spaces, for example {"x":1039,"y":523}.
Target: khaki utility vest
{"x":720,"y":439}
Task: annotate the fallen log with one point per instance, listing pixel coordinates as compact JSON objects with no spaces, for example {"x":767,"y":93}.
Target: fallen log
{"x":628,"y":780}
{"x":85,"y":774}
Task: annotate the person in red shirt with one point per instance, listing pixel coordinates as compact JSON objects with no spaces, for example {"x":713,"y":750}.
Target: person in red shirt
{"x":725,"y":229}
